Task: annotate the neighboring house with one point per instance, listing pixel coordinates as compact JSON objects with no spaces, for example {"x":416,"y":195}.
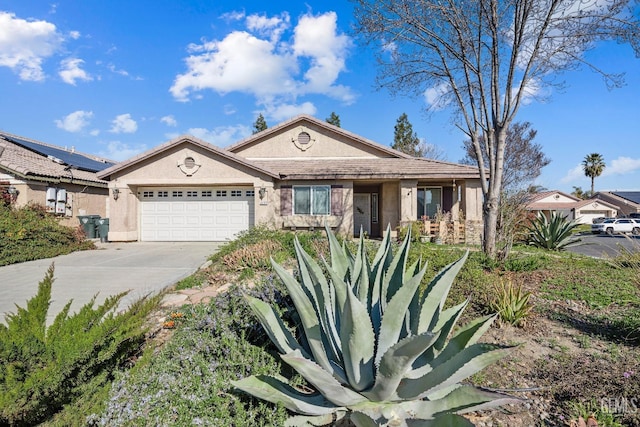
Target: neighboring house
{"x":628,"y":201}
{"x":62,"y":180}
{"x":570,"y":206}
{"x":299,"y":174}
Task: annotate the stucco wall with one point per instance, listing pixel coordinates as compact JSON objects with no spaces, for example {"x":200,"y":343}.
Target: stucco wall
{"x":323,"y":144}
{"x":82,"y":199}
{"x":168,"y":169}
{"x":472,"y":199}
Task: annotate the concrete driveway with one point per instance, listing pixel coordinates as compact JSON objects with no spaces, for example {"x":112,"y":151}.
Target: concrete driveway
{"x":140,"y":268}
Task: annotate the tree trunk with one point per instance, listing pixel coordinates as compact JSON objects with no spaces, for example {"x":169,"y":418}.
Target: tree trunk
{"x":490,"y":210}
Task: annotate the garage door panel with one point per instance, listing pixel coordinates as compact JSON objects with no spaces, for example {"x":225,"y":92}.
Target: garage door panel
{"x":194,"y":219}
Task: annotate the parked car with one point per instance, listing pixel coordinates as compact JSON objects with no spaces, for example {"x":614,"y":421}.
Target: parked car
{"x":617,"y":226}
{"x":600,"y":219}
{"x":634,"y":215}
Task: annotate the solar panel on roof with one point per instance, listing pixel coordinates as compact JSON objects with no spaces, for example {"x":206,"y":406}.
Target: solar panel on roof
{"x":634,"y":196}
{"x":75,"y":160}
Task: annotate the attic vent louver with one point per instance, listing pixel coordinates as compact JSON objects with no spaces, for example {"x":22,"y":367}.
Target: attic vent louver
{"x":304,"y":138}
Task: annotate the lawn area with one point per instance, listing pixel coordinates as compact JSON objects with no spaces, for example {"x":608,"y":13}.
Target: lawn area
{"x":577,"y":348}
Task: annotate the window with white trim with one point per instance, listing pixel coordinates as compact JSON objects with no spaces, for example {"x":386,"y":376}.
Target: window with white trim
{"x":311,"y":200}
{"x":374,"y":208}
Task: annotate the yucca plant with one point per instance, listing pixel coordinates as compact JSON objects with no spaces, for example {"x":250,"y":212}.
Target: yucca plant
{"x":376,"y":349}
{"x":554,"y":234}
{"x":511,"y":303}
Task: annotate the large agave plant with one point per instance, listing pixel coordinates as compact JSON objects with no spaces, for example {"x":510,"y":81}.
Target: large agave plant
{"x":377,"y":350}
{"x":553,"y":234}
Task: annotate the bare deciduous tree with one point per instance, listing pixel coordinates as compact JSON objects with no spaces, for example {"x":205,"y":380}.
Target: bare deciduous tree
{"x":485,"y":58}
{"x":523,"y":158}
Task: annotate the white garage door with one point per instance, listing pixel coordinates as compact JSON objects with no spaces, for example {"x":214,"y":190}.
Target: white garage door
{"x":194,"y":214}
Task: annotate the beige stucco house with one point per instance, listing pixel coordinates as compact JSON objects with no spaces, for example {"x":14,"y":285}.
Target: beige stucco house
{"x":584,"y":211}
{"x":299,"y":174}
{"x":628,"y":201}
{"x":63,"y":180}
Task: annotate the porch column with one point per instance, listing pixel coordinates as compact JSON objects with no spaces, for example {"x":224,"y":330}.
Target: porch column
{"x":408,"y":201}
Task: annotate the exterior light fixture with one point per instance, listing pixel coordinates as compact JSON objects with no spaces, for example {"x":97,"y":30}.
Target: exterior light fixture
{"x":116,"y":193}
{"x":262,"y":192}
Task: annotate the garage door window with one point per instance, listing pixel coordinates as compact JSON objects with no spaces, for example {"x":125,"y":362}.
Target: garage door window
{"x":312,"y":200}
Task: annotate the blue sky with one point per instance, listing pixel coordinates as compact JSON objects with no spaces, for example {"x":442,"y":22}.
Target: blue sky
{"x":115,"y":78}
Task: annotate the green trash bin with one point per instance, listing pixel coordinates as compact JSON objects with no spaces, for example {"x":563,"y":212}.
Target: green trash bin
{"x":103,"y":229}
{"x":89,"y":224}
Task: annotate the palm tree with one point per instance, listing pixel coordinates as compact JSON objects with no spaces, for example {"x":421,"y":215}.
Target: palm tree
{"x":593,"y":165}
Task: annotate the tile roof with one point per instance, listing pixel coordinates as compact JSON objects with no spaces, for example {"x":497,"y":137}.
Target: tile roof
{"x":371,"y":168}
{"x":28,"y":164}
{"x":304,"y":117}
{"x":179,"y":140}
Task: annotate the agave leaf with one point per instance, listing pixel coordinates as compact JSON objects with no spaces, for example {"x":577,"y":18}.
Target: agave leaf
{"x":462,"y":400}
{"x":278,"y":392}
{"x":361,"y":420}
{"x":358,"y":338}
{"x":356,"y":271}
{"x":274,"y":326}
{"x":464,"y":337}
{"x":453,"y":370}
{"x":445,"y":420}
{"x":319,"y":420}
{"x":396,"y":362}
{"x":317,"y":288}
{"x":394,"y":274}
{"x":322,"y":380}
{"x":394,"y":315}
{"x":433,"y":298}
{"x":308,"y":316}
{"x":339,"y":260}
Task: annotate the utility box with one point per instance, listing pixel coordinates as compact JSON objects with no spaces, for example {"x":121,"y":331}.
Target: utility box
{"x":89,"y":225}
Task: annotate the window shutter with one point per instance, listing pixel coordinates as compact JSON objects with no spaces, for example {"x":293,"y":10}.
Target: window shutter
{"x":285,"y":200}
{"x":336,"y":200}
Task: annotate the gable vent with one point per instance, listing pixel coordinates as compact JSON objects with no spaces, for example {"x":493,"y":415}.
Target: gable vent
{"x":304,"y":138}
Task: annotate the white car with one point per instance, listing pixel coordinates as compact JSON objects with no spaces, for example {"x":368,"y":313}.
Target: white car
{"x":616,"y":226}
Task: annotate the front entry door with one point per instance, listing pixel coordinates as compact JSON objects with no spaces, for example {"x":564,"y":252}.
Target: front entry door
{"x":361,"y":213}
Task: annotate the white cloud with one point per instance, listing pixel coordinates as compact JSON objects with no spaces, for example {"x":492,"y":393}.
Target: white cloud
{"x":229,"y":109}
{"x":119,"y":151}
{"x":435,"y":96}
{"x":24,"y":45}
{"x":169,"y":121}
{"x":75,"y":121}
{"x":70,"y":71}
{"x":259,"y":61}
{"x":74,"y":34}
{"x":113,"y":69}
{"x":573,"y":175}
{"x":123,"y":123}
{"x":222,"y":135}
{"x":280,"y":112}
{"x":622,"y":166}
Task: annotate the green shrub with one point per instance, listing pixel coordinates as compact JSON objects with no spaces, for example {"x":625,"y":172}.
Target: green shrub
{"x":524,"y":263}
{"x":44,"y":368}
{"x":187,"y":381}
{"x":29,"y":233}
{"x":555,"y":234}
{"x":372,"y":347}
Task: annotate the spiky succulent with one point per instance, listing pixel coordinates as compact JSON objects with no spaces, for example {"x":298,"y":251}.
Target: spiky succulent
{"x":554,"y":234}
{"x":377,"y":350}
